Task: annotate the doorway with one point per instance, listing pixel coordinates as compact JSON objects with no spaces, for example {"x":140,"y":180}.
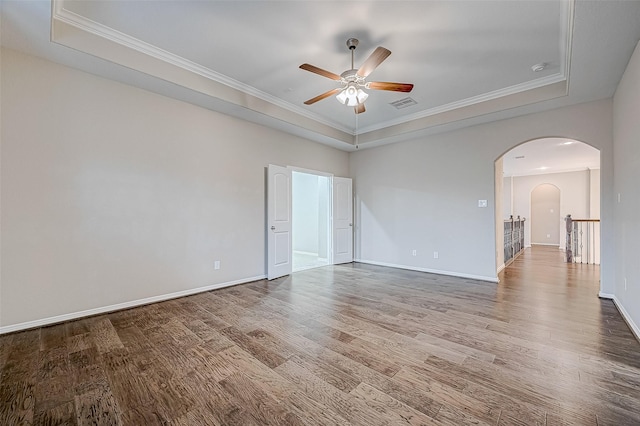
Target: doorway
{"x":311,"y":220}
{"x":327,"y":215}
{"x":571,"y":166}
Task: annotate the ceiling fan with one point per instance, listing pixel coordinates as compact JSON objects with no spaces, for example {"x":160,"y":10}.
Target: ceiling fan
{"x":353,"y":80}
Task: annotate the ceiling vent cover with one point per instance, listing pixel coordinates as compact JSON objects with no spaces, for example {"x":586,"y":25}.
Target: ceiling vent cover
{"x":403,"y":103}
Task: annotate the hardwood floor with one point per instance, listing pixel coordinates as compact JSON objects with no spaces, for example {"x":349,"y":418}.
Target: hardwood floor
{"x":344,"y":345}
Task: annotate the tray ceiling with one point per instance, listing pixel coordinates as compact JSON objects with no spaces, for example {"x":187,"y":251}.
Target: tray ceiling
{"x":469,"y":61}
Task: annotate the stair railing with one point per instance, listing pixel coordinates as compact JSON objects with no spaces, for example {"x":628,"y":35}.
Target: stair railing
{"x":582,"y":244}
{"x":513,"y":238}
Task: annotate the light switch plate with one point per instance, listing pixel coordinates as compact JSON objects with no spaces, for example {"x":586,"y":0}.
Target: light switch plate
{"x":482,"y":203}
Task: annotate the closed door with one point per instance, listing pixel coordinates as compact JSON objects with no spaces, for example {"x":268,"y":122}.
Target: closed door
{"x":342,"y":220}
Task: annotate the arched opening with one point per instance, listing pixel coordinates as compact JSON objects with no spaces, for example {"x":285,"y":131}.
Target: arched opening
{"x":570,"y":166}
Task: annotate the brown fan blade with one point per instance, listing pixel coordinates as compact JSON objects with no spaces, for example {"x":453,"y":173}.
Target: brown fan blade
{"x":372,"y":62}
{"x":320,"y":71}
{"x":321,"y":97}
{"x":359,"y":109}
{"x":395,"y":87}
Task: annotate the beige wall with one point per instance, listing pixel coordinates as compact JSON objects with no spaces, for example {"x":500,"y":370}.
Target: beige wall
{"x":545,"y":215}
{"x":112,"y":194}
{"x":626,"y":135}
{"x":423,"y":194}
{"x":575,"y":198}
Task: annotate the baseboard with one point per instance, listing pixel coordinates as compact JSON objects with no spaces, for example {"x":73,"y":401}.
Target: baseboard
{"x":500,"y":268}
{"x":119,"y":306}
{"x":545,"y":244}
{"x":602,"y":295}
{"x":627,"y":318}
{"x":306,"y":253}
{"x":430,"y":271}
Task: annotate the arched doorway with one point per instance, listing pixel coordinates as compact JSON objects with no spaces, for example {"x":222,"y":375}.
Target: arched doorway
{"x":573,"y":167}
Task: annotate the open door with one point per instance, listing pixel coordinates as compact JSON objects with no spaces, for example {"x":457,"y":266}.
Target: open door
{"x":278,"y":222}
{"x":342,"y":220}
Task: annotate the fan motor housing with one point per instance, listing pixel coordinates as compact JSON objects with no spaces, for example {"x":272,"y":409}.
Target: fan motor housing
{"x":351,"y":76}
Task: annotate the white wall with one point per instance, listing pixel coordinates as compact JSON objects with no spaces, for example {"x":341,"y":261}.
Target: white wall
{"x":423,"y":194}
{"x":594,"y":194}
{"x":310,"y":214}
{"x":498,"y":191}
{"x":305,"y":208}
{"x":507,"y":197}
{"x":626,"y":134}
{"x":574,"y":198}
{"x":111,"y":194}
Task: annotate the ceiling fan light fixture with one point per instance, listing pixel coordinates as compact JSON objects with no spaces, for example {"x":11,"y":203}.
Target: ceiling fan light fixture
{"x":362,"y":96}
{"x":351,"y":95}
{"x":354,"y":80}
{"x":342,"y":97}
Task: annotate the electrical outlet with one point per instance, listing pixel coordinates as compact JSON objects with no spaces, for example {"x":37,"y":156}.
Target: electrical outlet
{"x":414,"y":253}
{"x":436,"y":255}
{"x":482,"y":203}
{"x":216,"y":264}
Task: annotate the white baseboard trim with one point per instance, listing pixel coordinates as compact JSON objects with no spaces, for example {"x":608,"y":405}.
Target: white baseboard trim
{"x":306,"y":253}
{"x":602,"y":295}
{"x":119,"y":306}
{"x":431,"y":271}
{"x":500,"y":268}
{"x":545,"y":244}
{"x":627,"y":318}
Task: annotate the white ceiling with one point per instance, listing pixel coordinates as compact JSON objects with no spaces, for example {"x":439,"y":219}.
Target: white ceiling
{"x":470,"y":61}
{"x":550,"y":155}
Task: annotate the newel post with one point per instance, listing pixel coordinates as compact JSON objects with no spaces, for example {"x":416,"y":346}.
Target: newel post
{"x":568,"y":241}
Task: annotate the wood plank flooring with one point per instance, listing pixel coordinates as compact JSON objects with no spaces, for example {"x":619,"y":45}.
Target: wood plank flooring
{"x":345,"y":345}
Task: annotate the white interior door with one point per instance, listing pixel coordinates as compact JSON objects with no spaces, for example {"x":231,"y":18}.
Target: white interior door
{"x":342,"y":220}
{"x":278,"y":222}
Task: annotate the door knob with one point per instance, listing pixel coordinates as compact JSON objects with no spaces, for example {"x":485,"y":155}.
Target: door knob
{"x":351,"y":224}
{"x":273,"y":228}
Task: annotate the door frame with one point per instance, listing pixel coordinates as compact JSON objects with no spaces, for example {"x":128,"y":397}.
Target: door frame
{"x":331,"y":209}
{"x":330,"y":201}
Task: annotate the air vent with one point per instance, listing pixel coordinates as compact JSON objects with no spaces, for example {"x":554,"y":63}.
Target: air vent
{"x":403,"y":103}
{"x":519,"y":157}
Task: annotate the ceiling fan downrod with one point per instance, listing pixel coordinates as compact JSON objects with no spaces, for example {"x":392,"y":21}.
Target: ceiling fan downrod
{"x":352,"y":43}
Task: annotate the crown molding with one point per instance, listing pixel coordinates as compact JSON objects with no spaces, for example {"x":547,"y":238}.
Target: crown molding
{"x":83,"y":23}
{"x":475,"y":100}
{"x":566,"y":37}
{"x":86,"y":25}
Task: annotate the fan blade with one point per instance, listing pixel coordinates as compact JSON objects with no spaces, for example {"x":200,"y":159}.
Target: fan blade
{"x":321,"y":97}
{"x":359,"y":109}
{"x":372,"y":62}
{"x":395,"y":87}
{"x":320,"y":71}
